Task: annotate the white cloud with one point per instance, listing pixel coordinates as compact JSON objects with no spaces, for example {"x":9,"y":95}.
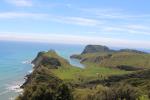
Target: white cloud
{"x":118,"y":21}
{"x":111,"y":26}
{"x":135,"y":29}
{"x":16,"y":15}
{"x":43,"y":16}
{"x":21,"y":3}
{"x":74,"y":39}
{"x":138,"y":27}
{"x":111,"y":13}
{"x":78,"y":21}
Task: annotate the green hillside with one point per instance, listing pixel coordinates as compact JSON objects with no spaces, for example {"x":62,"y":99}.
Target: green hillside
{"x":131,"y":59}
{"x":42,"y":84}
{"x":54,"y":78}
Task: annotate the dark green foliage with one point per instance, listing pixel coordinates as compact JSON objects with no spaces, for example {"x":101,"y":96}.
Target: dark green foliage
{"x":120,"y":92}
{"x":105,"y":94}
{"x":52,"y":62}
{"x":46,"y":92}
{"x":128,"y":68}
{"x":116,"y":92}
{"x":43,"y":85}
{"x":126,"y":92}
{"x":64,"y":92}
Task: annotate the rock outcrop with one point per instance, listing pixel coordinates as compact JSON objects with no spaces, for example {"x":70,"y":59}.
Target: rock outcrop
{"x":96,"y":48}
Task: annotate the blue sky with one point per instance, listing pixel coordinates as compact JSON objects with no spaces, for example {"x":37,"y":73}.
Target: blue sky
{"x":117,"y":23}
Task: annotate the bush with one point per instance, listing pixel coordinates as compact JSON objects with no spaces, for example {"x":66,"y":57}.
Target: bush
{"x":45,"y":92}
{"x":64,"y":92}
{"x":126,"y":92}
{"x":120,"y":92}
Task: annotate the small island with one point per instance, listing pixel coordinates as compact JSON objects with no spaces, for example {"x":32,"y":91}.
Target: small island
{"x":108,"y":75}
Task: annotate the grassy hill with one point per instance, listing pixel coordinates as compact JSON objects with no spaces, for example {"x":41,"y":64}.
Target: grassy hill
{"x":54,"y":78}
{"x":42,"y":84}
{"x":126,"y":59}
{"x":118,"y":59}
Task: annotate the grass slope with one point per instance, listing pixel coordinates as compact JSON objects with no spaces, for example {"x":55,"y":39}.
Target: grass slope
{"x":54,"y":78}
{"x":116,"y":59}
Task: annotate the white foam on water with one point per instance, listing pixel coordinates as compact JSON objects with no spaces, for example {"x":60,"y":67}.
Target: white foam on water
{"x":26,"y":62}
{"x":4,"y":92}
{"x":32,"y":65}
{"x":30,"y":71}
{"x":15,"y":87}
{"x":12,"y":98}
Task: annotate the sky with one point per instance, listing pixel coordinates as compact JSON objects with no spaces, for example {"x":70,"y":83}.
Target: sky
{"x":116,"y":23}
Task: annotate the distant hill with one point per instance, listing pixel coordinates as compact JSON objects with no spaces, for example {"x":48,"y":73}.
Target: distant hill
{"x":103,"y":49}
{"x":96,"y":48}
{"x":127,"y":59}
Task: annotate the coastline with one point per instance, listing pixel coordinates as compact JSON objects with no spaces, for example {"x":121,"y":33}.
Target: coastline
{"x":74,"y":62}
{"x":17,"y":87}
{"x":15,"y":58}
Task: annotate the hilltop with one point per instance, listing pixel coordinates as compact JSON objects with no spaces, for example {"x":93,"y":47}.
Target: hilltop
{"x":50,"y":59}
{"x":96,"y":48}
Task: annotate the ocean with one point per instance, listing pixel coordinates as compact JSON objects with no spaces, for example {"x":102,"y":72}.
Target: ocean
{"x":15,"y":58}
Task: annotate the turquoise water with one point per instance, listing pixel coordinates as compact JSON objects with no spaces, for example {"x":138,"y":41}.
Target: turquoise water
{"x":15,"y":58}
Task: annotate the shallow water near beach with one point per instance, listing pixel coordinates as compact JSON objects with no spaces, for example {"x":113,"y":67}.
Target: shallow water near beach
{"x":15,"y":63}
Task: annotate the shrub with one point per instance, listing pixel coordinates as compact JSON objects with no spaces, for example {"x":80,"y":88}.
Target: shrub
{"x":126,"y":92}
{"x":120,"y":92}
{"x":45,"y":92}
